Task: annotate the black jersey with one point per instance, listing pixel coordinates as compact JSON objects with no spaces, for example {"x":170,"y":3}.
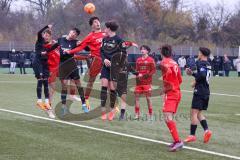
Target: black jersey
{"x":39,"y":45}
{"x":202,"y":76}
{"x":123,"y":74}
{"x":64,"y":44}
{"x":110,"y":46}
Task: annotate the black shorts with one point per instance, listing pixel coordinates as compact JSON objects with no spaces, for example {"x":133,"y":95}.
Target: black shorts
{"x":109,"y":74}
{"x":105,"y":73}
{"x":122,"y":83}
{"x":200,"y":102}
{"x":40,"y":69}
{"x":68,"y":70}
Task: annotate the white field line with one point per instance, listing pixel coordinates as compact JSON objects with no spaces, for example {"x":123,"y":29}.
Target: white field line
{"x":120,"y":134}
{"x":217,"y":94}
{"x":19,"y":82}
{"x":187,"y":91}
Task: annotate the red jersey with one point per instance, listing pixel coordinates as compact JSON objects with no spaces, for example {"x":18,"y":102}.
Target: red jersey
{"x":93,"y":41}
{"x":53,"y":57}
{"x":172,"y":77}
{"x":146,"y":68}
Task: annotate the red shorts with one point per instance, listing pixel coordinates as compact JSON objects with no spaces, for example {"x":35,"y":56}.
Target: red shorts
{"x":171,"y":104}
{"x":53,"y":75}
{"x":96,"y":67}
{"x":143,"y":89}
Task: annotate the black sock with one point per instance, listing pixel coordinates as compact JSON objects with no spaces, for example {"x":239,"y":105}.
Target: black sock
{"x":81,"y":93}
{"x":64,"y":96}
{"x":39,"y":89}
{"x":103,"y":96}
{"x":46,"y":89}
{"x":122,"y":112}
{"x":113,"y":97}
{"x":193,"y":129}
{"x":204,"y":124}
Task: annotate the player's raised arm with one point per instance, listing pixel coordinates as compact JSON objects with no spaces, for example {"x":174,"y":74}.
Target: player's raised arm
{"x":81,"y":57}
{"x":81,"y":46}
{"x":127,"y":44}
{"x":39,"y":34}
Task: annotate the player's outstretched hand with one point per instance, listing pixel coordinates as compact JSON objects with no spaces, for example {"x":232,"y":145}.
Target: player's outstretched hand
{"x":50,"y":26}
{"x":107,"y":63}
{"x":189,"y":71}
{"x":44,"y":53}
{"x":78,"y":43}
{"x":66,"y":51}
{"x":89,"y":56}
{"x":139,"y":75}
{"x":134,"y":44}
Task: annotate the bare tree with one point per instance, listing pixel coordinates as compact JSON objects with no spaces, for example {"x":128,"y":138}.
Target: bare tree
{"x":218,"y":18}
{"x":43,"y":7}
{"x":5,"y":6}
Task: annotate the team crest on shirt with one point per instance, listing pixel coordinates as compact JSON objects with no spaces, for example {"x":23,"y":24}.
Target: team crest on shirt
{"x":99,"y":40}
{"x":202,"y":69}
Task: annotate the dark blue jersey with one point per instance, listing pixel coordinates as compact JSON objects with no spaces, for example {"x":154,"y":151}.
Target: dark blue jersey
{"x":39,"y":45}
{"x":202,"y":76}
{"x":64,"y":44}
{"x":110,"y":46}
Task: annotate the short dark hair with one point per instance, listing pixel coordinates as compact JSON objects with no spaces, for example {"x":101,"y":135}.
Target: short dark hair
{"x":76,"y":30}
{"x":205,"y":51}
{"x":166,"y":50}
{"x":146,"y":47}
{"x":48,"y":31}
{"x":92,"y":19}
{"x":112,"y":25}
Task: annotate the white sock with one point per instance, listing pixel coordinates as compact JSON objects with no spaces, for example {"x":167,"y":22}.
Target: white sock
{"x":39,"y":101}
{"x":46,"y":100}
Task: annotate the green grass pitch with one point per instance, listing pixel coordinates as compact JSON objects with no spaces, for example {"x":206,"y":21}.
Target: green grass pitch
{"x":26,"y":138}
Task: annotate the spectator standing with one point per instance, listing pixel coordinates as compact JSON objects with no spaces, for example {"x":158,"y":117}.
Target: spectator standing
{"x":21,"y":61}
{"x":191,"y":63}
{"x":216,"y":65}
{"x":32,"y":56}
{"x":227,"y":65}
{"x":237,"y":65}
{"x":182,"y":63}
{"x":13,"y":61}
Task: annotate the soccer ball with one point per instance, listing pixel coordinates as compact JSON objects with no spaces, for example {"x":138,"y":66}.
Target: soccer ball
{"x":89,"y":8}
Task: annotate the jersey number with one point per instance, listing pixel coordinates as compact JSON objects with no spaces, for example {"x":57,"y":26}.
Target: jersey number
{"x":176,"y":70}
{"x":208,"y":76}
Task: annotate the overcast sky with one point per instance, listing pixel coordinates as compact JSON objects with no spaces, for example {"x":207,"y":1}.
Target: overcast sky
{"x":229,"y":3}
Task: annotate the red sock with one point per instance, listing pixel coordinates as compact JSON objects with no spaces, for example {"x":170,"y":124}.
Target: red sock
{"x":173,"y":130}
{"x":87,"y":92}
{"x":137,"y":110}
{"x":150,"y":110}
{"x":72,"y":91}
